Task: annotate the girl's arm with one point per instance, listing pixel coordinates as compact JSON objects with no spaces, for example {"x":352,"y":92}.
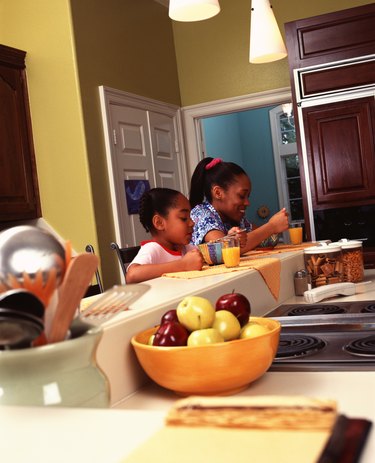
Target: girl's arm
{"x":137,"y":273}
{"x":277,"y":224}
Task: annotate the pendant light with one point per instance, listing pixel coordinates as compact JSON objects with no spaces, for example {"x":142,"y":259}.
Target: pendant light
{"x":193,"y":10}
{"x":266,"y":43}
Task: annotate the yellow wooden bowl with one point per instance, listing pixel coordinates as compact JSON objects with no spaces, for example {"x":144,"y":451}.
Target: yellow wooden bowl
{"x":214,"y":369}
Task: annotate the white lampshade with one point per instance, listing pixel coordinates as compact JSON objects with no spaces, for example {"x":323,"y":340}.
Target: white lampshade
{"x":266,"y":43}
{"x":193,"y":10}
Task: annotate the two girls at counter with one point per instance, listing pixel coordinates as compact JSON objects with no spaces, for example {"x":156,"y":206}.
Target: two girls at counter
{"x":219,"y":196}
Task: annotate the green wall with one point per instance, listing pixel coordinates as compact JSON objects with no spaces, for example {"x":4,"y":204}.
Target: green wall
{"x":213,"y":55}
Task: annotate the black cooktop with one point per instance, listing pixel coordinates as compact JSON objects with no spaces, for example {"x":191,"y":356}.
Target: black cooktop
{"x":329,"y":336}
{"x":323,"y":308}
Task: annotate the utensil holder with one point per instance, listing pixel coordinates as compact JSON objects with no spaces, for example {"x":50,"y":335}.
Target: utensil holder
{"x":63,"y":374}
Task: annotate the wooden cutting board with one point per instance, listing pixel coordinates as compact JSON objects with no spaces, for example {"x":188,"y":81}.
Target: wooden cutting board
{"x":223,"y":445}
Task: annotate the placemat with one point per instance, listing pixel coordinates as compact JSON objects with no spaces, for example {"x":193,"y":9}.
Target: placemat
{"x":279,"y":249}
{"x":269,"y":268}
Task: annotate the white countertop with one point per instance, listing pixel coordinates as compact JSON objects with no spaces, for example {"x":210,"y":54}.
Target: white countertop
{"x":62,"y":435}
{"x":353,"y":392}
{"x":54,"y":435}
{"x":57,"y":435}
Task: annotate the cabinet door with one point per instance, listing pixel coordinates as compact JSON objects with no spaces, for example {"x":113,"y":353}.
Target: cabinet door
{"x":341,"y":152}
{"x":19,"y":196}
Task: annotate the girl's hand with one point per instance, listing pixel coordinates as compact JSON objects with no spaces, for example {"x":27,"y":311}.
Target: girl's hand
{"x":279,"y":222}
{"x":193,"y":260}
{"x":240,"y":234}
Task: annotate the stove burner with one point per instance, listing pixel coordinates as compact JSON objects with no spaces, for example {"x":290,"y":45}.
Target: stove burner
{"x":298,"y":345}
{"x":370,"y":308}
{"x":316,"y":309}
{"x":362,"y":347}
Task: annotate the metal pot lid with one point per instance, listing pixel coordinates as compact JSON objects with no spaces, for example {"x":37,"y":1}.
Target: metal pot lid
{"x":17,"y":315}
{"x":22,"y":300}
{"x":18,"y":333}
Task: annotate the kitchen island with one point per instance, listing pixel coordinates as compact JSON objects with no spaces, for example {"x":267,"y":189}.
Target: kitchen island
{"x":352,"y":390}
{"x":115,"y":354}
{"x":58,"y":435}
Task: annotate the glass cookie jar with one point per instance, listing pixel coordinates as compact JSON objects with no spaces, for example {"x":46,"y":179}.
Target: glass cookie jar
{"x":324,"y":265}
{"x":352,"y":259}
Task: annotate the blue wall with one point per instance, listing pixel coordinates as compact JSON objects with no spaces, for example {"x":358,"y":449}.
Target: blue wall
{"x":245,"y":138}
{"x":223,"y":138}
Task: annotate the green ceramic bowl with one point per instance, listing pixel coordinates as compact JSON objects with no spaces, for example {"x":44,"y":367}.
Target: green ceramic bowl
{"x":270,"y":242}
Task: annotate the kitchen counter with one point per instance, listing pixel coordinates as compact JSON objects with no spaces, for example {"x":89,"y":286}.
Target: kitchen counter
{"x":352,"y":390}
{"x":115,"y":354}
{"x":58,"y":435}
{"x":106,"y":436}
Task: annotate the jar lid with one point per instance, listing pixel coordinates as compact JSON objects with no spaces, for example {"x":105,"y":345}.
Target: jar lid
{"x":348,"y":244}
{"x":323,"y":249}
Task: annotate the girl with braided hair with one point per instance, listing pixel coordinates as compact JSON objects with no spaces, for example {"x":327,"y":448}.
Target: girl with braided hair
{"x":219,"y":196}
{"x":165,"y":214}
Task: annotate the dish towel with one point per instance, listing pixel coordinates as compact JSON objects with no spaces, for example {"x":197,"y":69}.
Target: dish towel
{"x":268,"y":267}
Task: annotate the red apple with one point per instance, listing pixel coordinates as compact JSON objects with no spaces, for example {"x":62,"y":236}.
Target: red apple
{"x":170,"y":316}
{"x":171,"y":334}
{"x":236,"y":303}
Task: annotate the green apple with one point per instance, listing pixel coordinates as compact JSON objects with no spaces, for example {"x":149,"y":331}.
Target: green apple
{"x":252,"y":330}
{"x":227,"y":325}
{"x":151,"y":340}
{"x":206,"y":336}
{"x":195,"y":313}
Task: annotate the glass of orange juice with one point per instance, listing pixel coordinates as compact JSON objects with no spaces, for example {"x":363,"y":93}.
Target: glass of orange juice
{"x":295,"y":234}
{"x":230,"y":248}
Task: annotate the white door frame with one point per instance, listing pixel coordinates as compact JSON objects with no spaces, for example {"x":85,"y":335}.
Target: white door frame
{"x":110,"y":96}
{"x":189,"y":129}
{"x":191,"y":116}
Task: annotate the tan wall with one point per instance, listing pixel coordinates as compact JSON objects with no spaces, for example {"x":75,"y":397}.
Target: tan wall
{"x":127,"y":45}
{"x":43,"y":29}
{"x":213,"y":55}
{"x":123,"y":44}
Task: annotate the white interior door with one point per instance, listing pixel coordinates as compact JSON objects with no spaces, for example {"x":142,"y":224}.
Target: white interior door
{"x":164,"y":147}
{"x":131,"y":161}
{"x":143,"y":139}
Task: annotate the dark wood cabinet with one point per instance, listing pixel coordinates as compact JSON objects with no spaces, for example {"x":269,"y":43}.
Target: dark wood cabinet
{"x":19,"y":192}
{"x":340,"y":146}
{"x":332,"y":72}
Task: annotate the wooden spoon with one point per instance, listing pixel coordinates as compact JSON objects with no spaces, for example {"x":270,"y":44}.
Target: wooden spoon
{"x":74,"y":286}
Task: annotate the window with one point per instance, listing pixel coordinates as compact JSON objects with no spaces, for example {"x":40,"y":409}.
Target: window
{"x":287,"y":164}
